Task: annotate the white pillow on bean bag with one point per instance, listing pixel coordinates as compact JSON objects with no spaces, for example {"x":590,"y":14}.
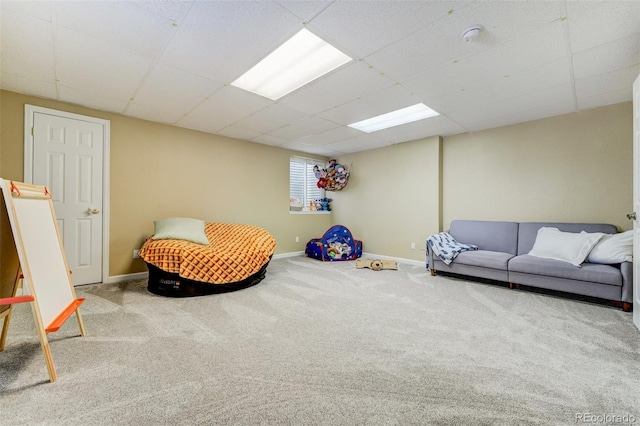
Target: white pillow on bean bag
{"x":180,"y":228}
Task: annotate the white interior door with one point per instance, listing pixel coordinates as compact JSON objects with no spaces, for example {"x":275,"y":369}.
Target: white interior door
{"x":67,"y":156}
{"x":636,"y":202}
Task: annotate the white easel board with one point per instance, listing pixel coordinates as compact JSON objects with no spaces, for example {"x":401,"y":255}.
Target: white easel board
{"x":42,"y":260}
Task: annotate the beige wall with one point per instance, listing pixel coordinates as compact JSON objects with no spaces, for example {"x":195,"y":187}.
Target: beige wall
{"x":570,"y":168}
{"x":159,"y":170}
{"x":392,"y":198}
{"x":575,"y":167}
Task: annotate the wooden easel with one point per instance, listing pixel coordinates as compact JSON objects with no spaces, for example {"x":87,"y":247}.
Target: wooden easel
{"x":44,"y":275}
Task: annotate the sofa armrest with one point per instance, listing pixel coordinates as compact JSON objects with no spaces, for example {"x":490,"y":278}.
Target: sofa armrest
{"x":627,"y":282}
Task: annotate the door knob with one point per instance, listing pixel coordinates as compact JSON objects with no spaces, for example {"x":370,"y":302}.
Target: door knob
{"x":93,"y":211}
{"x":631,"y":216}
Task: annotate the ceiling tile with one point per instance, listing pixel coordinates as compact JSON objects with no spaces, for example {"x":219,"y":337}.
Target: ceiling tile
{"x":152,"y":113}
{"x":441,"y":42}
{"x":366,"y":141}
{"x":27,"y":46}
{"x":594,"y":23}
{"x":382,"y":102}
{"x":224,"y":108}
{"x":305,"y":127}
{"x":92,"y":100}
{"x":20,"y":84}
{"x":94,"y":66}
{"x":515,"y":56}
{"x":439,"y":125}
{"x":611,"y":56}
{"x":39,"y":9}
{"x":432,"y":47}
{"x":565,"y":107}
{"x":507,"y":20}
{"x":269,"y":140}
{"x":610,"y":82}
{"x":529,"y":101}
{"x":128,"y":26}
{"x":333,"y":135}
{"x":174,"y":10}
{"x":546,"y":75}
{"x":317,"y":150}
{"x":238,"y":133}
{"x":169,"y":88}
{"x":607,"y":98}
{"x":365,"y":27}
{"x":305,"y":10}
{"x":270,"y":118}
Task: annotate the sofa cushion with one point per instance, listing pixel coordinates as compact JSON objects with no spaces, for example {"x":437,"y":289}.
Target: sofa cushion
{"x":487,"y":235}
{"x":528,"y":231}
{"x":590,"y":272}
{"x":484,"y":258}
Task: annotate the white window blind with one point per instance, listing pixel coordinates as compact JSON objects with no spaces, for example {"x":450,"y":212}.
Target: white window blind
{"x":302,"y":180}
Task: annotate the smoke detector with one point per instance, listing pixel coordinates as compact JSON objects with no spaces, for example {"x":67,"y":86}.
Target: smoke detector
{"x":472,"y":33}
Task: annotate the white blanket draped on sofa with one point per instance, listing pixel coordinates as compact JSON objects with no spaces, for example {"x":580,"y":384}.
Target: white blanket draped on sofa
{"x":446,"y":247}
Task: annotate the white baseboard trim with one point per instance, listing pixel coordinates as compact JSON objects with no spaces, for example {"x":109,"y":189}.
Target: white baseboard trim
{"x":129,"y":277}
{"x":369,"y":255}
{"x":290,"y":254}
{"x":145,"y":275}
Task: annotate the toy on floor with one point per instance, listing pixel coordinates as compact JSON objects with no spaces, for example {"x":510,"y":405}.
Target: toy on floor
{"x":376,"y":264}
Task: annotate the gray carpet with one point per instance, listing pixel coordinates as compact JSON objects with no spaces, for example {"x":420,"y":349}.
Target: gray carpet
{"x":326,"y":344}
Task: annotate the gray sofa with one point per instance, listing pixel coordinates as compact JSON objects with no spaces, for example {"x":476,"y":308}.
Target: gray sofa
{"x":502,"y":256}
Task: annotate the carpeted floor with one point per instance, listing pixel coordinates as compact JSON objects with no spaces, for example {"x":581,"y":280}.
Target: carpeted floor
{"x":327,"y":344}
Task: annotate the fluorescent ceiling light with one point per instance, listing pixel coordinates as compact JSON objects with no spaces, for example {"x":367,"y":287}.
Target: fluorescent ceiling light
{"x":300,"y":60}
{"x":395,"y":118}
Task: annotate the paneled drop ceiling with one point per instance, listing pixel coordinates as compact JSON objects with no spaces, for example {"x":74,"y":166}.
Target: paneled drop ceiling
{"x":172,"y":62}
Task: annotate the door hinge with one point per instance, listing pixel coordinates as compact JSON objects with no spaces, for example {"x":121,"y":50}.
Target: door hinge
{"x":33,"y":131}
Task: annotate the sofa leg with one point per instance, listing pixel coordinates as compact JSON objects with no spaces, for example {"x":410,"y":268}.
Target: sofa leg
{"x":626,"y":306}
{"x":433,"y":272}
{"x":514,"y":285}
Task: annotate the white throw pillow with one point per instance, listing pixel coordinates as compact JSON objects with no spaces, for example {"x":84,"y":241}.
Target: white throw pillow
{"x":616,"y":248}
{"x":180,"y":228}
{"x":551,"y":243}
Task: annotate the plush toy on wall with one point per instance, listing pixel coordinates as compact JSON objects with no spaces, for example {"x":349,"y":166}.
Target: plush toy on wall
{"x":333,"y":178}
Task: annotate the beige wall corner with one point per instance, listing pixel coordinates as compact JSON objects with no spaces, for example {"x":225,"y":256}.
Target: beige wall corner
{"x":392,"y":198}
{"x":570,"y":168}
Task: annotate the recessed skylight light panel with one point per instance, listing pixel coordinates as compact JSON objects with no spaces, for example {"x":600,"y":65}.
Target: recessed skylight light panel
{"x":300,"y":60}
{"x":394,"y":118}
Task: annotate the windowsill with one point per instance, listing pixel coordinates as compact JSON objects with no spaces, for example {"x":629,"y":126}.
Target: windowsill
{"x":309,"y":212}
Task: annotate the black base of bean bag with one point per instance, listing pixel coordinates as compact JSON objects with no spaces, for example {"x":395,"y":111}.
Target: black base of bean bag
{"x":173,"y":285}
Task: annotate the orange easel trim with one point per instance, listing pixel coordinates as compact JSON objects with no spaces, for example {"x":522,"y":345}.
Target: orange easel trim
{"x":16,"y":299}
{"x":66,"y":313}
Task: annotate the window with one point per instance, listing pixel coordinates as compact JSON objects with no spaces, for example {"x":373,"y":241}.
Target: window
{"x":303,"y":186}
